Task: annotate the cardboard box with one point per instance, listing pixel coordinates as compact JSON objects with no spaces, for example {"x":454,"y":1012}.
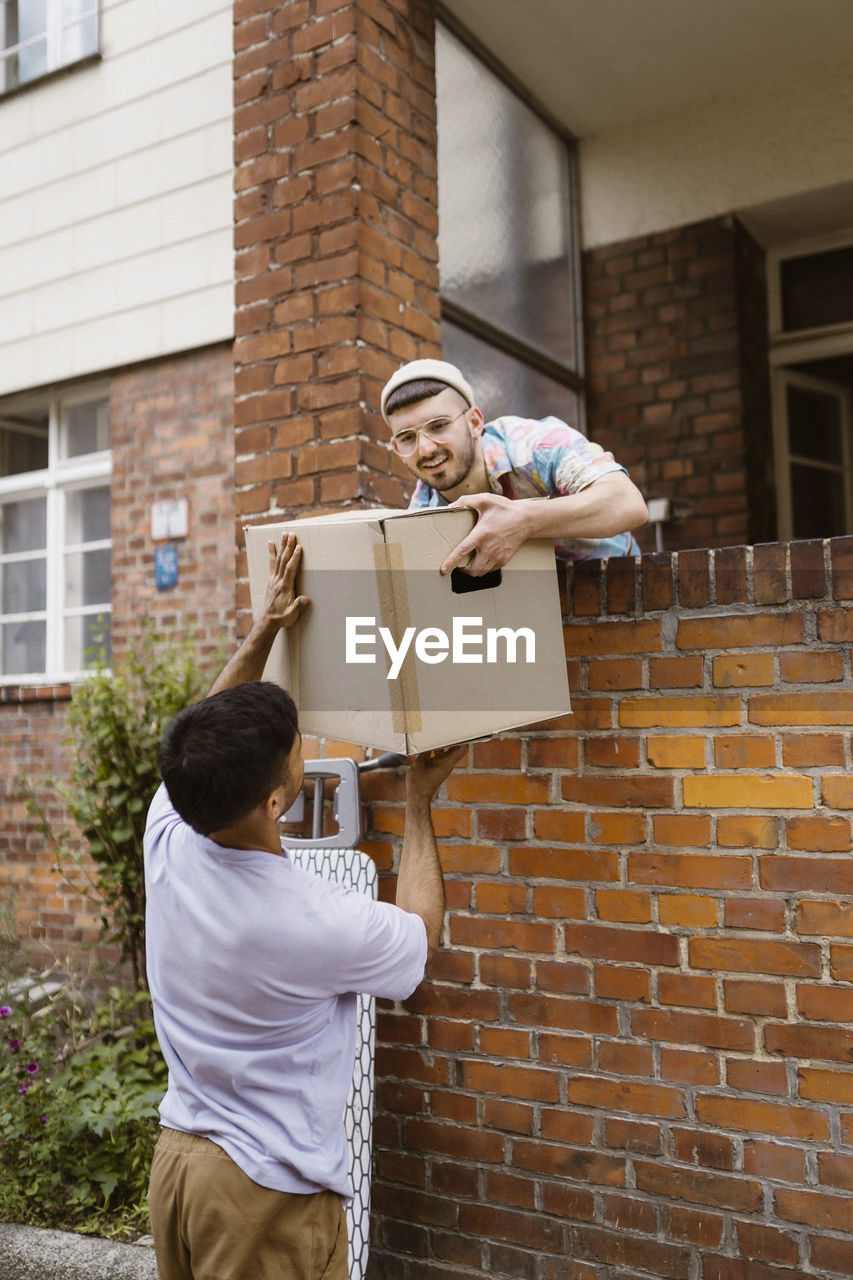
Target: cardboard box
{"x":392,"y":654}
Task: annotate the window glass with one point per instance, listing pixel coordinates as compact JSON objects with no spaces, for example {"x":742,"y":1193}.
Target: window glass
{"x":87,"y":577}
{"x":87,"y":515}
{"x":55,"y":549}
{"x":24,"y":526}
{"x":817,"y":289}
{"x":23,"y":442}
{"x":87,"y":641}
{"x":504,"y":206}
{"x":814,"y":425}
{"x":817,"y":500}
{"x":87,"y":428}
{"x":79,"y":20}
{"x":39,"y":36}
{"x":23,"y":647}
{"x":24,"y":586}
{"x":505,"y":385}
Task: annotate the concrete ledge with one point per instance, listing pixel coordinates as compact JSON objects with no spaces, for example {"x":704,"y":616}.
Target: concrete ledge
{"x":33,"y":1253}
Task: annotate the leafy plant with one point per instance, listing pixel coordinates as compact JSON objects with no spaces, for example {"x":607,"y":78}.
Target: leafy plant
{"x":115,"y":720}
{"x":78,"y":1113}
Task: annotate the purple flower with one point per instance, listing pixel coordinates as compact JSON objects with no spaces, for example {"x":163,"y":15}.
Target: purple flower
{"x":32,"y":1068}
{"x":24,"y":1087}
{"x":14,"y":1045}
{"x":5,"y":1010}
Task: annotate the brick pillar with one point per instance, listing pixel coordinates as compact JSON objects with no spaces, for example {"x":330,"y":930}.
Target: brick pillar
{"x":335,"y":235}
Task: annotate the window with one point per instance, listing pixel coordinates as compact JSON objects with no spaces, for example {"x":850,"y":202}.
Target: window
{"x":507,"y":239}
{"x":54,"y":535}
{"x":811,"y":354}
{"x":40,"y":36}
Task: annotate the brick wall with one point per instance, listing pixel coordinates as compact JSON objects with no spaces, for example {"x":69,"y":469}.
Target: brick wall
{"x":632,"y":1058}
{"x":335,"y":234}
{"x":676,"y":334}
{"x":172,"y":436}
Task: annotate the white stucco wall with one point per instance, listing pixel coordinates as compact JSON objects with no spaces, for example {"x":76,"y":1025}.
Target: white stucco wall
{"x":775,"y":143}
{"x":116,"y":199}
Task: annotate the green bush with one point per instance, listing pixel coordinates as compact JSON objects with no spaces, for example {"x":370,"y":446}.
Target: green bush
{"x":115,"y":720}
{"x":79,"y":1093}
{"x":78,"y":1114}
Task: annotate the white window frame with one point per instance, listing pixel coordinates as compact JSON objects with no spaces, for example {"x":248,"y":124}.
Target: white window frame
{"x":794,"y":347}
{"x":54,"y":482}
{"x":782,"y":379}
{"x":54,"y":34}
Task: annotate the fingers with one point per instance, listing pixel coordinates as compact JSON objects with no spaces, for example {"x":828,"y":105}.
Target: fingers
{"x":457,"y":555}
{"x":286,"y":554}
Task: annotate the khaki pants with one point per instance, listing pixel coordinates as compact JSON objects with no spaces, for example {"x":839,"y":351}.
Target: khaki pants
{"x":211,"y":1222}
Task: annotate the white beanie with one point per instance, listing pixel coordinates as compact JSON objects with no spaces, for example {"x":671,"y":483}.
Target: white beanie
{"x":439,"y":370}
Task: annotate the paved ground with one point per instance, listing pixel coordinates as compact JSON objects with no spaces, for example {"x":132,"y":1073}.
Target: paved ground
{"x":31,"y":1253}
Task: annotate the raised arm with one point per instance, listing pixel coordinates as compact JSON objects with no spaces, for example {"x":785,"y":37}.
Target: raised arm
{"x":282,"y":607}
{"x":420,"y":887}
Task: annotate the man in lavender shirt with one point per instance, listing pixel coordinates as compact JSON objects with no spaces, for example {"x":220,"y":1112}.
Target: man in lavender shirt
{"x":254,"y":966}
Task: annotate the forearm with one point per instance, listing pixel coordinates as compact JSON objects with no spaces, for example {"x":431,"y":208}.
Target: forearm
{"x":609,"y":506}
{"x":250,"y":659}
{"x":420,"y":887}
{"x":282,"y":608}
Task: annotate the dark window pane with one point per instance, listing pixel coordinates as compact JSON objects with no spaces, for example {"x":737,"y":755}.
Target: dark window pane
{"x":20,"y":452}
{"x":817,"y":289}
{"x":814,"y":424}
{"x":817,"y":502}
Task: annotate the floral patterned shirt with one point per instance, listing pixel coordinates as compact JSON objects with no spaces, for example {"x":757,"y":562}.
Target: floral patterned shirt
{"x":526,"y":458}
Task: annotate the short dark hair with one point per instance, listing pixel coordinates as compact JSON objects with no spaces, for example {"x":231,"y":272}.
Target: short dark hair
{"x":222,"y":757}
{"x":411,"y":392}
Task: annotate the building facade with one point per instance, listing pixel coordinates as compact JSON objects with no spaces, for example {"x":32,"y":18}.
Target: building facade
{"x":221,"y":228}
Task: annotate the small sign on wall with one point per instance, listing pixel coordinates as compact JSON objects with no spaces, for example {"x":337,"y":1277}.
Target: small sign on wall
{"x":166,"y":566}
{"x":169,"y":518}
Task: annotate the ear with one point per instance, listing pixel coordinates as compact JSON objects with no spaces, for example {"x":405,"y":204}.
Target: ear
{"x":476,"y":421}
{"x":273,"y":807}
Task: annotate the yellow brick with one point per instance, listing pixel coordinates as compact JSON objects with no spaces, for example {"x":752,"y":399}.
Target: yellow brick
{"x":689,"y":910}
{"x":749,"y":791}
{"x":738,"y":670}
{"x":687,"y":711}
{"x":672,"y":752}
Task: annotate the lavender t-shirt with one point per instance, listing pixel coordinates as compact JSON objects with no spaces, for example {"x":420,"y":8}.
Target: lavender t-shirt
{"x":253,"y":966}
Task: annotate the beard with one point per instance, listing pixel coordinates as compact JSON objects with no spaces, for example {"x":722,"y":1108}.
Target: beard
{"x":458,"y":462}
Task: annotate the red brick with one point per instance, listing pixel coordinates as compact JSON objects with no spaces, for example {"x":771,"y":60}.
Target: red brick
{"x":675,"y":673}
{"x":746,"y":955}
{"x":714,"y":1190}
{"x":812,"y":750}
{"x":759,"y":998}
{"x":697,"y":1147}
{"x":693,"y":1227}
{"x":694,"y":1028}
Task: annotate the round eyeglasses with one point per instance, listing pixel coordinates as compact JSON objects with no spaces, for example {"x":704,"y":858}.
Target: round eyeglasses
{"x":406,"y":442}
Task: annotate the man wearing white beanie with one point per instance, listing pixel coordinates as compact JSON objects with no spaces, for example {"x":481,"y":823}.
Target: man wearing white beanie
{"x":442,"y":437}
